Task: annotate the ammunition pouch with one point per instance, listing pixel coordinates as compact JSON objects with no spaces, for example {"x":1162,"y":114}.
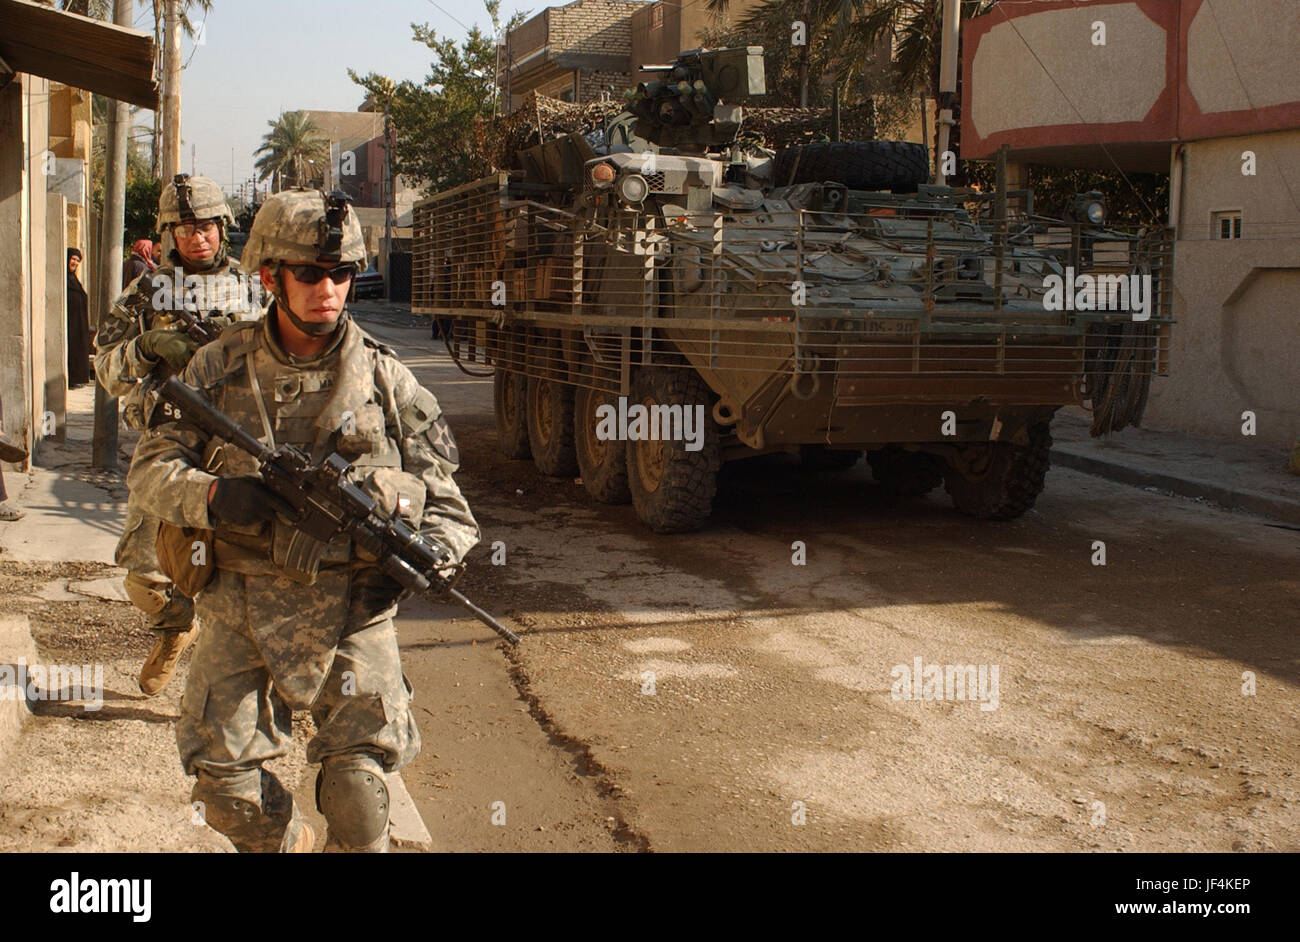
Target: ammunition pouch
{"x":299,"y":556}
{"x":394,"y":490}
{"x":187,"y":556}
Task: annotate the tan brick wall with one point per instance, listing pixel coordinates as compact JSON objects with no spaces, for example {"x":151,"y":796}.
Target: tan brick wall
{"x":593,"y":82}
{"x":593,"y":26}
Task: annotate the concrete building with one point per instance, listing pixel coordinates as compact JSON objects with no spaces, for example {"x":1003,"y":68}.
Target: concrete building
{"x":349,"y":134}
{"x":44,"y":154}
{"x":1209,"y":92}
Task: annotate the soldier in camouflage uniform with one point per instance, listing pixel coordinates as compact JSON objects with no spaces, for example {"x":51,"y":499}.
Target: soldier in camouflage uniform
{"x":141,"y":336}
{"x":286,"y":629}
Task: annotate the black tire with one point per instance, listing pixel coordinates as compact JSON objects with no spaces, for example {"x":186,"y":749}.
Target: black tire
{"x":550,"y":427}
{"x":1010,"y":482}
{"x":602,"y":464}
{"x":509,"y":394}
{"x":859,"y":165}
{"x":906,"y":474}
{"x":672,"y":488}
{"x":820,"y":458}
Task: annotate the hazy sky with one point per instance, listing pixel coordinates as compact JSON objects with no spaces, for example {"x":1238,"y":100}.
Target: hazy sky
{"x":261,"y":57}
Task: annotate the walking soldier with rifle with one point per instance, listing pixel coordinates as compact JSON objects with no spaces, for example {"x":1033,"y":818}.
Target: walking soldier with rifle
{"x":300,"y":454}
{"x":149,"y":333}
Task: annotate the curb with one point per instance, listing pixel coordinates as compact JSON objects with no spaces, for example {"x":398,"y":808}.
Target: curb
{"x":1256,"y":502}
{"x":15,"y":644}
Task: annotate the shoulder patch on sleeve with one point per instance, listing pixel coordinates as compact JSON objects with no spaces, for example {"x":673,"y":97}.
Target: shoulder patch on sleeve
{"x":423,"y":416}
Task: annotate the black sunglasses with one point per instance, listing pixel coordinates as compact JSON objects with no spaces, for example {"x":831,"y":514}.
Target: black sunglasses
{"x":310,"y":274}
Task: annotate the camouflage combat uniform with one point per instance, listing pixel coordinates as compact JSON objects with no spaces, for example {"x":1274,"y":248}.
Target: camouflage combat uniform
{"x":120,"y":368}
{"x":270,"y":643}
{"x":220,"y":289}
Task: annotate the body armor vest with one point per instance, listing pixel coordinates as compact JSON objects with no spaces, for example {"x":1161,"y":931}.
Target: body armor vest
{"x":331,"y":403}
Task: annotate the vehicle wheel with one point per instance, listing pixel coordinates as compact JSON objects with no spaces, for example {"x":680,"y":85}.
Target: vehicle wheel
{"x":859,"y":165}
{"x":821,"y":458}
{"x":1009,"y":482}
{"x":672,"y":488}
{"x":508,"y":397}
{"x":550,"y":427}
{"x":906,"y":473}
{"x":602,"y":464}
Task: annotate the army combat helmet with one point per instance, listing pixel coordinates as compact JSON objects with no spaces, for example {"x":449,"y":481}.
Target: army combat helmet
{"x":192,"y":199}
{"x":303,"y":225}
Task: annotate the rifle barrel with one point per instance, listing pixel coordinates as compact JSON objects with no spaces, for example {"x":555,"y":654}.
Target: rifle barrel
{"x":484,"y":617}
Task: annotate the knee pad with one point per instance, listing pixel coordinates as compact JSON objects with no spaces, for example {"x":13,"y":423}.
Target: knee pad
{"x":253,"y":825}
{"x":353,"y":796}
{"x":145,"y":594}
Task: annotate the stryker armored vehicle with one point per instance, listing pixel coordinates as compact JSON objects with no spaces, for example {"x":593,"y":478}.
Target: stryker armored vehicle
{"x":824,"y":300}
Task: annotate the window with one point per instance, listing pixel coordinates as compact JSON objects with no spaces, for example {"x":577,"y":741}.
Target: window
{"x":1226,"y":225}
{"x":657,"y":16}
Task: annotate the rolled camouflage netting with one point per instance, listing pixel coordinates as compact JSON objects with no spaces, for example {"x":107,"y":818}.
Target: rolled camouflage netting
{"x":542,"y":119}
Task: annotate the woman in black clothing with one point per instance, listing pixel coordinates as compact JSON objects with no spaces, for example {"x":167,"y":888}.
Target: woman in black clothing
{"x":78,"y":325}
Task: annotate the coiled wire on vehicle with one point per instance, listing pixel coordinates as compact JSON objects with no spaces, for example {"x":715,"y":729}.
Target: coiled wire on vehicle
{"x":1118,"y":365}
{"x":446,"y":342}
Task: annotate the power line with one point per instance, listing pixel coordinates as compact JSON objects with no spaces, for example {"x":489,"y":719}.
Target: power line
{"x":195,"y":47}
{"x":449,"y":15}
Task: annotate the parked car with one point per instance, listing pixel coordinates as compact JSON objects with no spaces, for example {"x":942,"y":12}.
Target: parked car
{"x":368,"y":284}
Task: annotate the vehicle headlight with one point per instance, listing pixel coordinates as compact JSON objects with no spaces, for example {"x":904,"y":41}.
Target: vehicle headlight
{"x":1088,"y":208}
{"x":632,"y":187}
{"x":602,"y":175}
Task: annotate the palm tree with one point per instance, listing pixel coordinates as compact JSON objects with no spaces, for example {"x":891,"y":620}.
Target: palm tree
{"x":858,"y":26}
{"x":289,"y":149}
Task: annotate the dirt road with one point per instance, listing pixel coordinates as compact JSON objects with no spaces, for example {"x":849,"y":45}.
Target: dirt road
{"x":734,"y":700}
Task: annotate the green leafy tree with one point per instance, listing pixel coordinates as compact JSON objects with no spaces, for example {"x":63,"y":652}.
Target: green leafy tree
{"x":289,"y":150}
{"x":438,"y":139}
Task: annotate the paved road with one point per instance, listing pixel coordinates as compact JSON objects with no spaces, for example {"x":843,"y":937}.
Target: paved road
{"x":702,"y":692}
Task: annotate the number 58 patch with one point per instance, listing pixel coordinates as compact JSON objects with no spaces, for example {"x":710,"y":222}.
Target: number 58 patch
{"x":163,"y":413}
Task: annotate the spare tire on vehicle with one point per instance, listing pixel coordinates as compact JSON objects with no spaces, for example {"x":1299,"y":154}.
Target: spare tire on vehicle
{"x":859,"y":165}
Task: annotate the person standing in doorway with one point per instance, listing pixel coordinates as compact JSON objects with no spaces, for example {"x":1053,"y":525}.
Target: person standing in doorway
{"x":79,"y":345}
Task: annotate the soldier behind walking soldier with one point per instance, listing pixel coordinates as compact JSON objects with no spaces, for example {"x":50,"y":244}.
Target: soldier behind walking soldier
{"x":141,"y":338}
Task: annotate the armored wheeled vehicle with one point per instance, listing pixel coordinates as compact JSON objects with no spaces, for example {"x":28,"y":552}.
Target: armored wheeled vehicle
{"x":667,"y":294}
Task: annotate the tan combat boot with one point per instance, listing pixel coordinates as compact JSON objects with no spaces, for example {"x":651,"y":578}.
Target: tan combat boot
{"x":161,"y":663}
{"x":306,"y":841}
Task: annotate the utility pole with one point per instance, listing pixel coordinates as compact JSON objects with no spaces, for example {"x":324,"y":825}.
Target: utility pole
{"x":171,"y":156}
{"x":109,"y":283}
{"x":947,"y":83}
{"x":155,"y":161}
